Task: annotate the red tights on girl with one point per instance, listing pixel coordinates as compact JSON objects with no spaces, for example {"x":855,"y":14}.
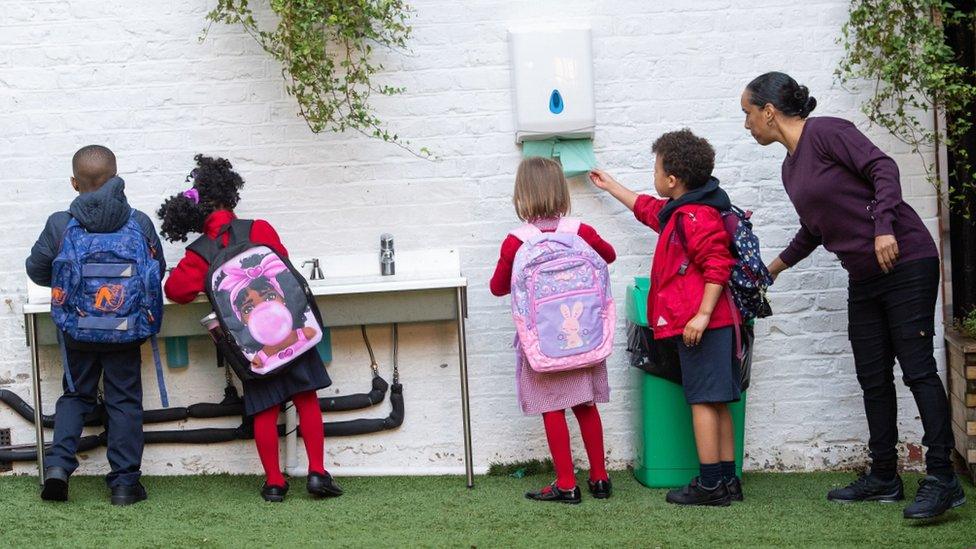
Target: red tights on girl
{"x":557,"y":433}
{"x":310,"y":427}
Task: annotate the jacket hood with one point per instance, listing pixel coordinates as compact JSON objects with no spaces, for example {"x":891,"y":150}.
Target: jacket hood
{"x":103,"y":211}
{"x":709,"y":194}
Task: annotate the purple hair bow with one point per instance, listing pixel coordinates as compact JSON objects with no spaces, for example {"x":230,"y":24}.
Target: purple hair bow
{"x":192,"y":194}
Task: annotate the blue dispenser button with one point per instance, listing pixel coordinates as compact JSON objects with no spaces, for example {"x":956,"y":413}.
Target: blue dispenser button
{"x":556,"y":102}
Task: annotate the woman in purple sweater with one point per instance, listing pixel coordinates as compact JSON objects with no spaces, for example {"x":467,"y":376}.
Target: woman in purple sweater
{"x":848,"y":196}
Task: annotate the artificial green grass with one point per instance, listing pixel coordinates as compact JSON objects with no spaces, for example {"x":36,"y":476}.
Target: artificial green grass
{"x":226,"y":511}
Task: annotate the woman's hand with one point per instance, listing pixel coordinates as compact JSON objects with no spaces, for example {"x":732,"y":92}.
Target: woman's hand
{"x":886,"y":250}
{"x":602,"y":179}
{"x":695,"y":328}
{"x":777,"y":266}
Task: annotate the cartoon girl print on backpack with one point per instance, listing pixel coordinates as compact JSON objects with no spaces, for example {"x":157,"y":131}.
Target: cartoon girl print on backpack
{"x":272,"y":320}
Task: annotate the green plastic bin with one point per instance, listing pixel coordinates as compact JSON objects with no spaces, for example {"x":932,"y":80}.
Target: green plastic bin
{"x":666,"y":455}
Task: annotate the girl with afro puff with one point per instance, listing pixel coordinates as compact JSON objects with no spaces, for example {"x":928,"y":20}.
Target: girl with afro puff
{"x":205,"y":208}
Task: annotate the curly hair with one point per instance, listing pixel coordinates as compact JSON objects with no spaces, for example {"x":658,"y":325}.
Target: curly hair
{"x":218,"y":186}
{"x":686,"y":156}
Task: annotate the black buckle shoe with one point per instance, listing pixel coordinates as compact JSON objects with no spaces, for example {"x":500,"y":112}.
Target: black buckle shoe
{"x":274,"y":494}
{"x":55,"y":484}
{"x":934,"y":497}
{"x":128,"y":494}
{"x":323,"y":485}
{"x":601,"y":489}
{"x":695,"y":494}
{"x":734,"y":488}
{"x":868,"y":487}
{"x":552,"y":493}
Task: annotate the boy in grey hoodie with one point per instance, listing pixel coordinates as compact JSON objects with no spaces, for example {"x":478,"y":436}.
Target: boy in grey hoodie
{"x":101,"y":207}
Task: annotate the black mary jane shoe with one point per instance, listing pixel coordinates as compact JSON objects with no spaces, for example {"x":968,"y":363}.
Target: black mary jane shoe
{"x":55,"y":484}
{"x":323,"y":485}
{"x":552,"y":493}
{"x":600,"y":489}
{"x":275,"y":494}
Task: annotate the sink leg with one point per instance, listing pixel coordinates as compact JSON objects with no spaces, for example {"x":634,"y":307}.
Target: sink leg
{"x":462,"y":312}
{"x":36,"y":381}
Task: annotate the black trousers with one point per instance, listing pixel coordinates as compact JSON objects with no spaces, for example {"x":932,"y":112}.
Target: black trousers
{"x":123,"y":406}
{"x":893,"y":316}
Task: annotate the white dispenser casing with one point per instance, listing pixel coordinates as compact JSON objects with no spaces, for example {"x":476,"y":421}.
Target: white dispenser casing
{"x":552,"y":76}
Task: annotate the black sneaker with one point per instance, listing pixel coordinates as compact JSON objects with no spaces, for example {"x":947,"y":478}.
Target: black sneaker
{"x":935,"y":497}
{"x":734,"y":487}
{"x":55,"y":484}
{"x":128,"y":494}
{"x":323,"y":485}
{"x":868,"y":487}
{"x":601,"y":489}
{"x":695,"y":494}
{"x":274,"y":494}
{"x":552,"y":493}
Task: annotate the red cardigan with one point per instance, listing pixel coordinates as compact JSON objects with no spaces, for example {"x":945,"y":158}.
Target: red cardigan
{"x":501,"y":281}
{"x":675,"y":298}
{"x":185,"y":282}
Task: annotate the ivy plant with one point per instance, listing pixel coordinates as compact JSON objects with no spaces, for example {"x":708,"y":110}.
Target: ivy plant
{"x":325,"y":49}
{"x":899,"y":47}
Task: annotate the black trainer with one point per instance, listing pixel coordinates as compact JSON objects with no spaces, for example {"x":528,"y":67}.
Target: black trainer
{"x":274,"y":494}
{"x":868,"y":487}
{"x":601,"y":489}
{"x":552,"y":493}
{"x":696,"y":494}
{"x":323,"y":485}
{"x":128,"y":494}
{"x":934,"y":497}
{"x":734,"y":487}
{"x":55,"y":484}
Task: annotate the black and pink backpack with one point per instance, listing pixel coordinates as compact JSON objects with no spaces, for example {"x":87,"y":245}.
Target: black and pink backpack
{"x":265,"y":308}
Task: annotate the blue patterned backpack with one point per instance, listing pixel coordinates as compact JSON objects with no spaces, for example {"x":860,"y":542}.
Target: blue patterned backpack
{"x":105,"y":289}
{"x":750,"y":277}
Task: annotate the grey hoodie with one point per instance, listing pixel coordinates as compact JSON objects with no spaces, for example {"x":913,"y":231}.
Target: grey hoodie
{"x":102,"y":211}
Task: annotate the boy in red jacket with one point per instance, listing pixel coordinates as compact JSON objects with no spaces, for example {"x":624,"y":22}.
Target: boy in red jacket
{"x":689,"y":300}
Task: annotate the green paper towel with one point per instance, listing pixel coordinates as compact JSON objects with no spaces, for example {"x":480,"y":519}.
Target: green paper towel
{"x":575,"y":155}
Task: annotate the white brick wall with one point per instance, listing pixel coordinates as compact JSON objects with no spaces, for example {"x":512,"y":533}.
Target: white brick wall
{"x":132,"y":75}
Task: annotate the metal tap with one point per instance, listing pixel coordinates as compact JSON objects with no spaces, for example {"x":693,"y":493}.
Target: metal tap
{"x":316,"y":270}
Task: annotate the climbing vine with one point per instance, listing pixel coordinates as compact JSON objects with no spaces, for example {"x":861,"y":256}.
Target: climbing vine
{"x":325,"y":49}
{"x":899,"y":47}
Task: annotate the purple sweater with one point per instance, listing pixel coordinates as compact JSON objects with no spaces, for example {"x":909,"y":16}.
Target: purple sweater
{"x":846,"y":192}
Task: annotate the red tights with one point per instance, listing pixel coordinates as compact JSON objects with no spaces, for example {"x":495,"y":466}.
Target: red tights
{"x":310,"y":427}
{"x":557,"y":433}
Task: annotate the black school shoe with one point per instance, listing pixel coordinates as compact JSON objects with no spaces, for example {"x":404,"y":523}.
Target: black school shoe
{"x":734,"y":488}
{"x":934,"y":497}
{"x":274,"y":494}
{"x":128,"y":494}
{"x":695,"y":494}
{"x":868,"y":487}
{"x":601,"y":489}
{"x":55,"y":484}
{"x":552,"y":493}
{"x":323,"y":485}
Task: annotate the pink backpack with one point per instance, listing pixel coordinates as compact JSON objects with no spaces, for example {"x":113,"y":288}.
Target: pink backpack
{"x":561,"y":302}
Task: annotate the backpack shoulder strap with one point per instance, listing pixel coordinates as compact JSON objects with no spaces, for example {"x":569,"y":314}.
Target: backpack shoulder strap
{"x":205,"y":247}
{"x":569,"y":225}
{"x":526,"y":232}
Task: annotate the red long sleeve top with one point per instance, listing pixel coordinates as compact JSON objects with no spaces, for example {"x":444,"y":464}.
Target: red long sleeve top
{"x":675,"y":298}
{"x":501,"y":281}
{"x":186,"y":281}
